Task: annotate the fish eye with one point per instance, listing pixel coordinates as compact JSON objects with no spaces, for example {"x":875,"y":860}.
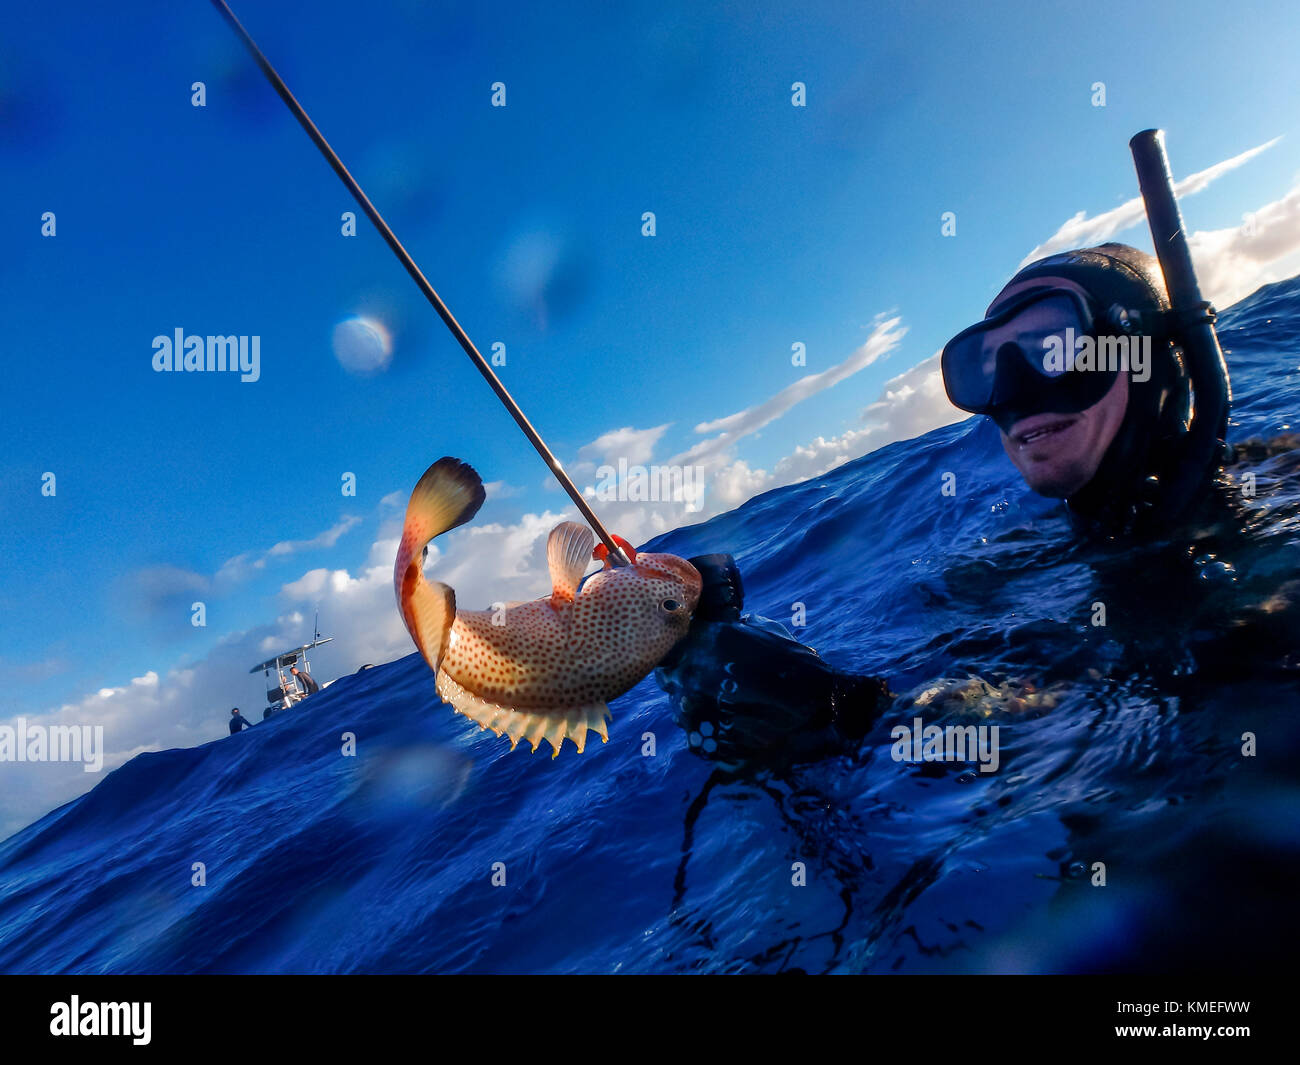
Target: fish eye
{"x":671,"y":605}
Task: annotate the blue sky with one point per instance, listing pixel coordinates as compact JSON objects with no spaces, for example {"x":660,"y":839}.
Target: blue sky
{"x":775,"y":224}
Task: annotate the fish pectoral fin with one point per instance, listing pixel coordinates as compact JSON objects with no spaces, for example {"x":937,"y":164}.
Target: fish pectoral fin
{"x":568,"y":554}
{"x":429,"y":611}
{"x":553,"y":725}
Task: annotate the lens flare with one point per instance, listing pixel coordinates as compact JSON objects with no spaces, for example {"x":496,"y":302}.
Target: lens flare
{"x":363,"y":346}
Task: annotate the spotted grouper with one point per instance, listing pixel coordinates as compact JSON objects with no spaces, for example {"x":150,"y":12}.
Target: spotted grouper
{"x":541,"y":670}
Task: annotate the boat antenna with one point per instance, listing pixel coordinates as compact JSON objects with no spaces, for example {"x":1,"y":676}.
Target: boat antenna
{"x":616,"y":555}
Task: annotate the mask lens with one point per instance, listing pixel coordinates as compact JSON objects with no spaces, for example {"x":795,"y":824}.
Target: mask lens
{"x":1048,"y":327}
{"x":1041,"y":324}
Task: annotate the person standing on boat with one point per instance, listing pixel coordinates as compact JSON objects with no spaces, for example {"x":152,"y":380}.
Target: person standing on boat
{"x":309,"y":686}
{"x":238,"y":721}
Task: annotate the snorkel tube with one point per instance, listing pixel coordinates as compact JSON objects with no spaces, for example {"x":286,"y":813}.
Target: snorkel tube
{"x":1194,"y":321}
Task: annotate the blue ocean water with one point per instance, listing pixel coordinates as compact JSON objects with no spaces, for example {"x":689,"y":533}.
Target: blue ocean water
{"x":619,"y":862}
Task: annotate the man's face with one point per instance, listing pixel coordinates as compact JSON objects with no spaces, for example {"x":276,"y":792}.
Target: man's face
{"x":1057,"y":454}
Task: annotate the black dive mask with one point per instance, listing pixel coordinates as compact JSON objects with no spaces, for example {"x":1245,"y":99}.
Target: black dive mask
{"x":1021,"y":360}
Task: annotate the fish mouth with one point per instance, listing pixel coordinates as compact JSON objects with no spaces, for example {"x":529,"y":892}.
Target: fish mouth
{"x":1040,"y":427}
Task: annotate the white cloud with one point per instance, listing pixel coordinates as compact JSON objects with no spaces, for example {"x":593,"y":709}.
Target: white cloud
{"x":635,"y":445}
{"x":496,"y":490}
{"x":732,"y":485}
{"x":728,"y":481}
{"x":885,"y":337}
{"x":307,"y":587}
{"x":1232,"y":263}
{"x":499,"y":563}
{"x":326,"y":539}
{"x":1082,"y":232}
{"x":250,"y":563}
{"x":910,"y":404}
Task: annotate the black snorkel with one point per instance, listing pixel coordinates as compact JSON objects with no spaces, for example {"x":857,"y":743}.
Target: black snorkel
{"x":1204,"y":447}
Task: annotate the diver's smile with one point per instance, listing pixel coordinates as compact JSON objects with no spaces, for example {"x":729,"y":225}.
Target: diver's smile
{"x":1041,"y":428}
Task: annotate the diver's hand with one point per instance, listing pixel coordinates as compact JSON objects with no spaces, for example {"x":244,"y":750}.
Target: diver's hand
{"x":746,"y":694}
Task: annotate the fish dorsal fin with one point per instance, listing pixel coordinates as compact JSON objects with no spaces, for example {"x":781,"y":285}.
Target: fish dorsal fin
{"x":568,"y":554}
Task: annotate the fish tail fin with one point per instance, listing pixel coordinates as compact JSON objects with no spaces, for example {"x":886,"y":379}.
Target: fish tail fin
{"x":449,"y":494}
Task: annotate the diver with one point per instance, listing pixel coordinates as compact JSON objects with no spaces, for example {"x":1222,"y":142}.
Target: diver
{"x":238,"y":721}
{"x":1116,"y":438}
{"x":1112,"y":438}
{"x":309,"y":686}
{"x":1103,"y":373}
{"x":1134,"y":443}
{"x":1097,"y":390}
